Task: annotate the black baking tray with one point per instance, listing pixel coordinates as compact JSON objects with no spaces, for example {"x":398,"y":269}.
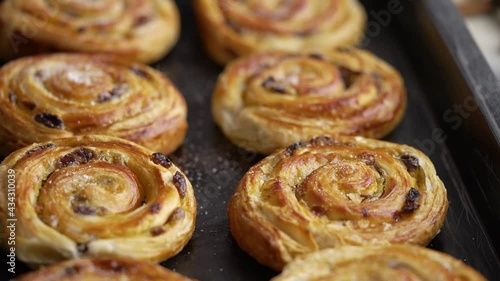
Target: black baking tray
{"x":453,"y":116}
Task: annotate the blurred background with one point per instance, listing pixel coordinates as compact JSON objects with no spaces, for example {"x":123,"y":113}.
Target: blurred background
{"x":483,"y":20}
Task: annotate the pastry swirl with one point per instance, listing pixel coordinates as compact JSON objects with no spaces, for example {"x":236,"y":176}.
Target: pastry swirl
{"x":141,"y":30}
{"x":62,"y":95}
{"x":395,"y":262}
{"x":331,"y":192}
{"x":105,"y":270}
{"x":95,"y":196}
{"x":271,"y":100}
{"x":244,"y":27}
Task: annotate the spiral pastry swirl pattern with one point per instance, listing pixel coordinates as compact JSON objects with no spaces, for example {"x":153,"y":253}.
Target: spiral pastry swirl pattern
{"x":244,"y":27}
{"x":142,"y":30}
{"x":62,"y":95}
{"x":330,"y":192}
{"x":103,"y":270}
{"x":396,"y":262}
{"x":95,"y":196}
{"x":271,"y":100}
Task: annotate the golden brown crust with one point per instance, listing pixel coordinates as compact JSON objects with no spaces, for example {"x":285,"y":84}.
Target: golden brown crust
{"x":95,"y":196}
{"x":232,"y":28}
{"x":103,"y":269}
{"x":331,"y":192}
{"x":270,"y":100}
{"x":141,"y":30}
{"x":395,"y":262}
{"x":61,"y":95}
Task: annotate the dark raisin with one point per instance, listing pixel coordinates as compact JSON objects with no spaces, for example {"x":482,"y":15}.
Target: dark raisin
{"x":84,"y":210}
{"x":12,"y":97}
{"x":291,"y":149}
{"x":110,"y":265}
{"x":177,"y":214}
{"x":411,"y":203}
{"x":49,"y":120}
{"x":115,"y":93}
{"x":82,"y":248}
{"x":180,"y":183}
{"x":39,"y":74}
{"x":139,"y":72}
{"x":28,"y":105}
{"x":155,"y":208}
{"x":77,"y":157}
{"x":81,"y":29}
{"x":303,"y":33}
{"x":161,"y":159}
{"x":141,"y":20}
{"x":273,"y":85}
{"x":411,"y":163}
{"x":39,"y":148}
{"x":396,"y":216}
{"x":322,"y":141}
{"x":365,"y":212}
{"x":317,"y":56}
{"x":155,"y":231}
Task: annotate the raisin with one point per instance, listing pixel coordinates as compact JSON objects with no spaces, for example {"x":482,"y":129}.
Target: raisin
{"x":367,"y":158}
{"x":82,"y":248}
{"x":49,"y":120}
{"x":322,"y":141}
{"x":141,"y":20}
{"x":41,"y":147}
{"x":115,"y":93}
{"x":161,"y":159}
{"x":155,"y":208}
{"x":411,"y":163}
{"x":411,"y":203}
{"x":28,"y":105}
{"x":365,"y":212}
{"x":180,"y":183}
{"x":317,"y":56}
{"x":177,"y":214}
{"x":84,"y":210}
{"x":155,"y":231}
{"x":291,"y":149}
{"x":77,"y":157}
{"x":273,"y":85}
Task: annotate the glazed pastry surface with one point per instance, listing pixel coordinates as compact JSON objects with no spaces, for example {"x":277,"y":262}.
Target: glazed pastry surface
{"x":104,"y":270}
{"x":62,"y":95}
{"x":95,"y":196}
{"x":271,"y":100}
{"x":332,"y":192}
{"x":396,"y":262}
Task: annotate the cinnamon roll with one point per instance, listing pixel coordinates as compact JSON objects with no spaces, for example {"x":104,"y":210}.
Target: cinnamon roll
{"x":62,"y":95}
{"x":331,"y":192}
{"x":141,"y":30}
{"x":94,"y":196}
{"x":232,"y":28}
{"x":105,"y":270}
{"x":396,"y":262}
{"x":273,"y":99}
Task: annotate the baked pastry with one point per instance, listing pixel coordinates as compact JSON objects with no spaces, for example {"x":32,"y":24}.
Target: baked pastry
{"x":232,"y":28}
{"x":105,"y":270}
{"x":95,"y":196}
{"x":331,"y":192}
{"x":62,"y":95}
{"x":141,"y":30}
{"x":396,"y":262}
{"x":271,"y":100}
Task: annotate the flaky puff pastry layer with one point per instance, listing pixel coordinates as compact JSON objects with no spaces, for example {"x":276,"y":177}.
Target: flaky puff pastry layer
{"x":232,"y":28}
{"x":331,"y":192}
{"x":140,"y":30}
{"x":99,"y":269}
{"x":94,"y":196}
{"x":271,"y":100}
{"x":62,"y":95}
{"x":396,"y":262}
